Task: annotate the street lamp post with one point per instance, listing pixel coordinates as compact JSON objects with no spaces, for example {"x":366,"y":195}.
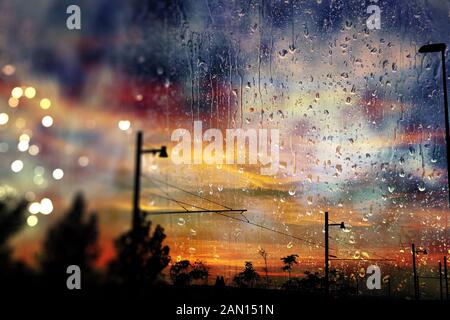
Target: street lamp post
{"x":137,"y":217}
{"x":440,"y":281}
{"x":440,"y":47}
{"x":327,"y":255}
{"x":446,"y":277}
{"x":414,"y":252}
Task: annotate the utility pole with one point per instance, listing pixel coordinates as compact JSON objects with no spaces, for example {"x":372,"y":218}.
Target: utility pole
{"x":137,"y":214}
{"x":446,"y":277}
{"x":327,"y":249}
{"x":327,"y":283}
{"x":389,"y":286}
{"x":416,"y":278}
{"x":441,"y":47}
{"x":416,"y":291}
{"x":136,"y":219}
{"x":440,"y":281}
{"x":447,"y":136}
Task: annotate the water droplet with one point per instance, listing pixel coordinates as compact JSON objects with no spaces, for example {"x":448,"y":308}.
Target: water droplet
{"x":348,"y":101}
{"x":282,"y":53}
{"x":421,"y":187}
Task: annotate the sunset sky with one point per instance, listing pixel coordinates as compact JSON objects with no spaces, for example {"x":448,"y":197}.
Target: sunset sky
{"x":360,"y":114}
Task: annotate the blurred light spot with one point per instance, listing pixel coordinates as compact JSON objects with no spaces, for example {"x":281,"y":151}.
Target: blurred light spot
{"x":32,"y":221}
{"x":45,"y":103}
{"x":39,"y":180}
{"x":33,"y":150}
{"x":124,"y":125}
{"x":17,"y":92}
{"x":24,"y":137}
{"x":34,"y":208}
{"x":58,"y":174}
{"x":47,"y":121}
{"x":8,"y":70}
{"x":39,"y":170}
{"x":13,"y":102}
{"x":83,"y":161}
{"x":17,"y":166}
{"x":4,"y":118}
{"x":23,"y":146}
{"x":46,"y":206}
{"x":30,"y":92}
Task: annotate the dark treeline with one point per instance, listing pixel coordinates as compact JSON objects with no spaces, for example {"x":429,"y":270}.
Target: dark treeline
{"x":141,"y":256}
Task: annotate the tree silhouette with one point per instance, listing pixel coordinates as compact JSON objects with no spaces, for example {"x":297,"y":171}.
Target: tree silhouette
{"x":289,"y":262}
{"x":220,"y":282}
{"x":248,"y":277}
{"x":12,"y":219}
{"x":342,"y":283}
{"x":293,"y":284}
{"x":71,"y":241}
{"x":183,"y":272}
{"x":179,"y":273}
{"x":140,"y":256}
{"x":312,"y":282}
{"x":264,"y":254}
{"x":199,"y":271}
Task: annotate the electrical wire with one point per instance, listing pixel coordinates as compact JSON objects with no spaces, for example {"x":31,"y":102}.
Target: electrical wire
{"x":225,"y":215}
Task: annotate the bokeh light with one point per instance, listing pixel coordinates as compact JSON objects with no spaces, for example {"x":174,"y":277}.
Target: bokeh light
{"x":30,"y":92}
{"x":46,"y":206}
{"x":124,"y":125}
{"x":32,"y":221}
{"x":45,"y":103}
{"x":47,"y":121}
{"x":58,"y":174}
{"x":17,"y":92}
{"x":34,"y":208}
{"x":17,"y":166}
{"x":4,"y":118}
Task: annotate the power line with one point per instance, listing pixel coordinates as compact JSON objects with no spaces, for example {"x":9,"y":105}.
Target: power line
{"x":382,"y":258}
{"x":222,"y":213}
{"x":360,"y":259}
{"x":185,"y":191}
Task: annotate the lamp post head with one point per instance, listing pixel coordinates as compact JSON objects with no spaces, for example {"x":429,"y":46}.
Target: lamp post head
{"x":163,"y":152}
{"x":433,"y":47}
{"x":342,"y":225}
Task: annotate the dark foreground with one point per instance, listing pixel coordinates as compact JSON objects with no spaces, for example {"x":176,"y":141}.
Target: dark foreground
{"x":169,"y":302}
